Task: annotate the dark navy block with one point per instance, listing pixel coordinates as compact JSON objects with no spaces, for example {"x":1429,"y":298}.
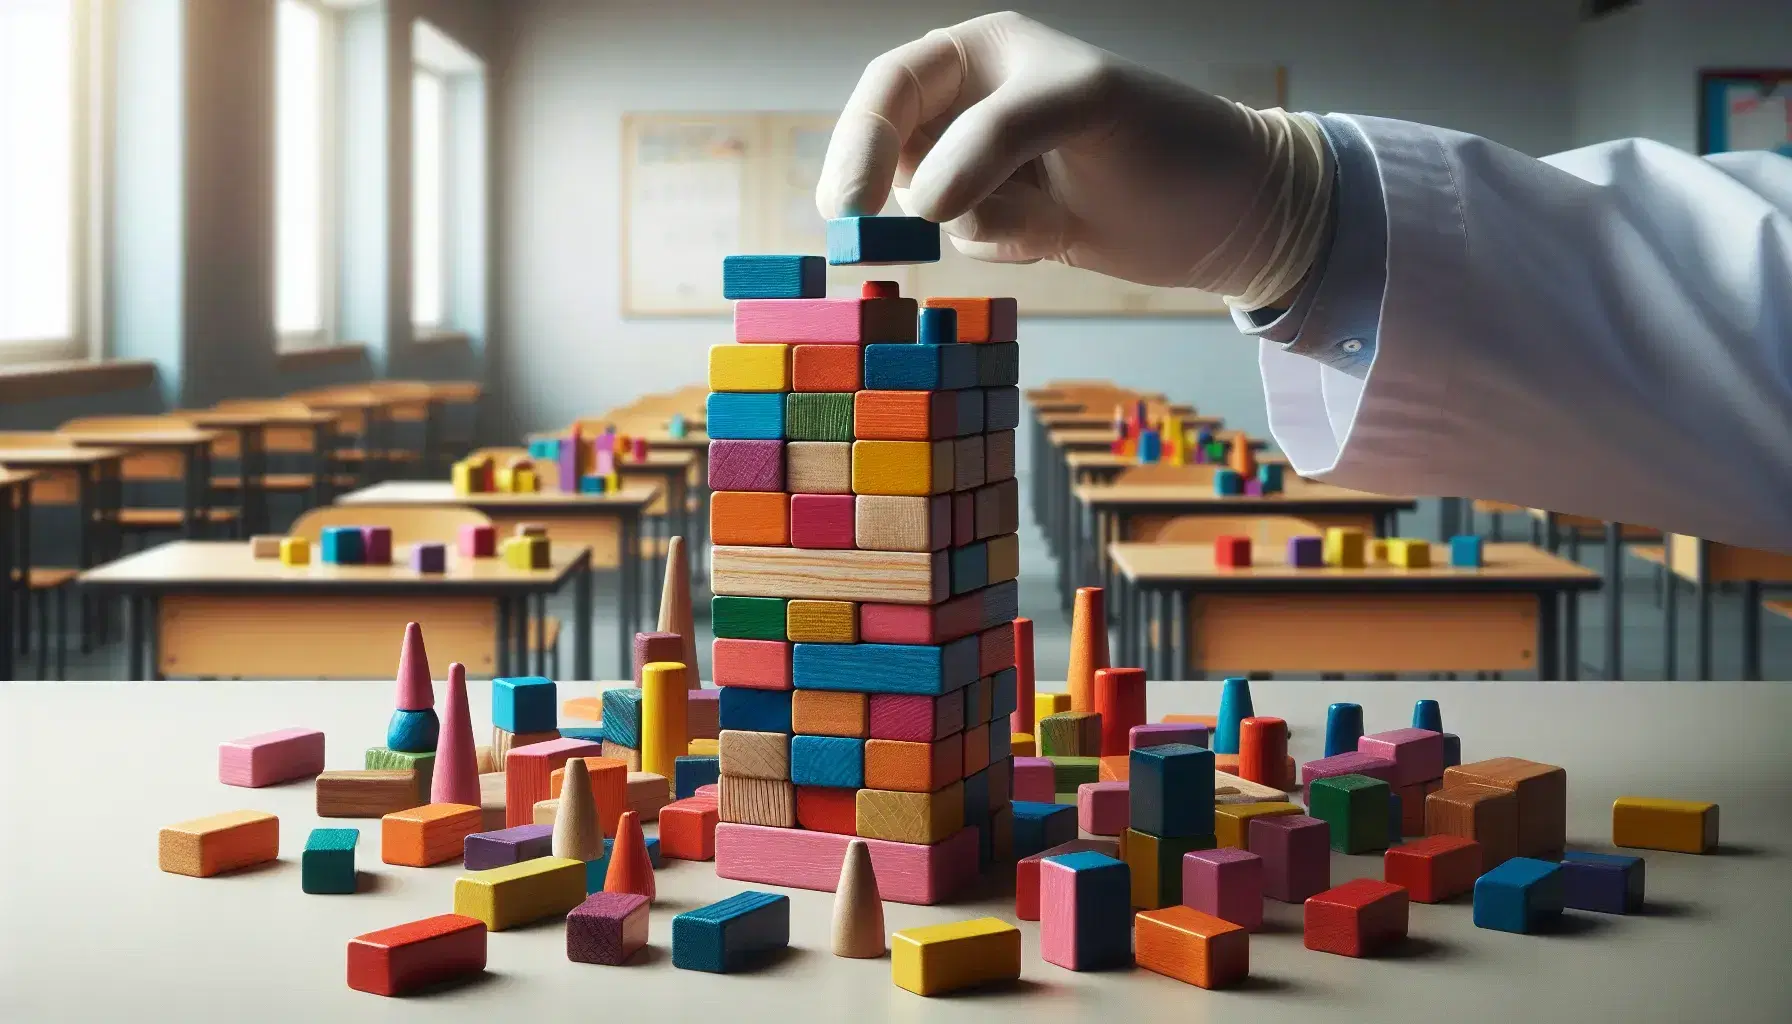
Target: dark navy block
{"x":691,"y":771}
{"x":998,"y":366}
{"x":884,"y":668}
{"x":1042,"y":826}
{"x":899,"y":367}
{"x":1172,"y":790}
{"x":1521,"y":895}
{"x":327,"y":867}
{"x":343,"y":545}
{"x":622,"y":716}
{"x":937,"y":326}
{"x":976,"y":796}
{"x":970,"y":568}
{"x":774,"y":277}
{"x":1006,"y":693}
{"x":1101,"y":914}
{"x":835,"y":761}
{"x":732,"y":934}
{"x":1602,"y":882}
{"x":1452,"y":750}
{"x":1001,"y":739}
{"x":1001,"y":603}
{"x":1426,"y":714}
{"x":878,"y":241}
{"x":524,"y":704}
{"x":1001,"y":408}
{"x":969,"y":412}
{"x":753,"y":710}
{"x":735,"y":416}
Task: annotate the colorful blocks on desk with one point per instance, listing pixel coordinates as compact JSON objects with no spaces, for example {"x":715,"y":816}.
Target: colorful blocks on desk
{"x":204,"y":847}
{"x":1232,"y":552}
{"x":982,"y":319}
{"x":1650,"y":823}
{"x":1485,"y":814}
{"x":758,"y":518}
{"x":1345,"y":548}
{"x":327,"y":867}
{"x":774,"y":277}
{"x":609,"y":783}
{"x":1356,"y":807}
{"x":1227,"y":483}
{"x":1465,"y":551}
{"x":821,"y":521}
{"x":834,"y":761}
{"x":690,"y":772}
{"x":1418,"y":754}
{"x":342,"y":545}
{"x":1521,"y":895}
{"x":1102,"y":808}
{"x":393,"y":961}
{"x":847,"y":321}
{"x":608,"y":928}
{"x":1296,"y":853}
{"x":1408,"y":553}
{"x":1542,"y":792}
{"x":477,"y":541}
{"x":622,"y":716}
{"x":732,"y":934}
{"x":942,"y":958}
{"x":376,"y":545}
{"x":1193,"y":947}
{"x":1084,"y":916}
{"x":1227,"y":883}
{"x":528,"y":772}
{"x":486,"y":850}
{"x":271,"y":757}
{"x":878,"y":241}
{"x":745,"y":417}
{"x":516,"y":894}
{"x":1026,"y":872}
{"x":836,"y":368}
{"x":1232,"y":822}
{"x":431,"y":834}
{"x":295,"y":551}
{"x":1435,"y":868}
{"x":1359,"y":918}
{"x":1038,"y":826}
{"x":429,"y":557}
{"x":1306,"y":552}
{"x":1172,"y":790}
{"x":1156,"y":865}
{"x":746,"y":465}
{"x":524,"y":704}
{"x":1601,"y":882}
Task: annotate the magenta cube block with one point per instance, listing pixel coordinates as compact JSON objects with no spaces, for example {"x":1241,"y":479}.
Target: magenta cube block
{"x":1418,"y":754}
{"x":608,"y":928}
{"x":1154,"y":734}
{"x":1297,"y":855}
{"x":1352,"y":762}
{"x":1253,"y":488}
{"x":376,"y":544}
{"x":1306,"y":552}
{"x":746,"y":465}
{"x":1103,"y":808}
{"x":1035,"y":780}
{"x":1226,"y":883}
{"x":429,"y":557}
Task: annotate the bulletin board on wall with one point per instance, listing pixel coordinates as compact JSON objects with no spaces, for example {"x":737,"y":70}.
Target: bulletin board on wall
{"x":697,"y":187}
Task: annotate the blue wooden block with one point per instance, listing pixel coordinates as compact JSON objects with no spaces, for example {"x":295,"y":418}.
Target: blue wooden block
{"x":1235,"y":707}
{"x":1521,"y":895}
{"x":1042,"y":826}
{"x":1171,"y":790}
{"x":525,"y":704}
{"x":1226,"y":482}
{"x":1426,"y":714}
{"x":1151,"y":447}
{"x":885,"y":668}
{"x":1465,"y":551}
{"x":327,"y":867}
{"x":774,"y":277}
{"x":837,"y":761}
{"x":753,"y":710}
{"x":591,"y":483}
{"x":732,"y":934}
{"x":1343,"y":727}
{"x":691,"y":771}
{"x":937,"y":326}
{"x":911,"y":367}
{"x":1452,"y":750}
{"x":413,"y":732}
{"x":1006,"y":685}
{"x":1269,"y":477}
{"x":1102,"y":909}
{"x":970,"y":568}
{"x":622,"y":716}
{"x":343,"y":545}
{"x":968,"y":416}
{"x":976,"y":796}
{"x":1001,"y":408}
{"x":998,"y":365}
{"x":590,"y":734}
{"x":745,"y":417}
{"x":1001,"y":603}
{"x":881,"y":241}
{"x":1602,"y":882}
{"x":547,"y":448}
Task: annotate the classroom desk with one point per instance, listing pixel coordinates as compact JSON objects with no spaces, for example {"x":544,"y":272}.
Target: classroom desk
{"x":252,"y":945}
{"x":251,"y":430}
{"x":209,"y":608}
{"x":610,"y":524}
{"x":1706,"y":564}
{"x":695,"y":440}
{"x":1550,"y":529}
{"x":193,"y":448}
{"x":97,"y":500}
{"x":15,"y":555}
{"x":1273,"y":617}
{"x":350,"y":402}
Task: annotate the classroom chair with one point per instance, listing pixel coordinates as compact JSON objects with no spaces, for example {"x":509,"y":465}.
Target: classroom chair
{"x":297,"y":455}
{"x":162,"y":469}
{"x":45,"y":588}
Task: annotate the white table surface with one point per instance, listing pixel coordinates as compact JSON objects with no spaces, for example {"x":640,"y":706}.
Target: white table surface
{"x":90,"y":930}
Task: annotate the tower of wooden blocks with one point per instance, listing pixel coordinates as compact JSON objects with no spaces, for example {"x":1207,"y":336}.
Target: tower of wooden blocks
{"x":863,"y":513}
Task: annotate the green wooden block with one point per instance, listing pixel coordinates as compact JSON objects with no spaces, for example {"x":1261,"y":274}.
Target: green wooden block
{"x":327,"y":867}
{"x":1156,"y":863}
{"x":1071,"y":772}
{"x":1355,"y":807}
{"x":389,"y":760}
{"x":818,"y":416}
{"x":747,"y":618}
{"x":1070,"y":734}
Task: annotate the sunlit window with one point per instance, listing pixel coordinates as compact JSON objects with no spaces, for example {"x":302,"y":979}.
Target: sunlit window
{"x":428,"y":197}
{"x":299,"y":170}
{"x":40,"y":174}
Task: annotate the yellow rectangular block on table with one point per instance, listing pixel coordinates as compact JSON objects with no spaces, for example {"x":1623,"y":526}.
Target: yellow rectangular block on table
{"x":295,"y":551}
{"x":703,"y":748}
{"x":821,"y":622}
{"x":517,"y":894}
{"x":1408,"y":553}
{"x":1378,"y":549}
{"x":919,"y":818}
{"x":1232,"y":822}
{"x":1651,"y":823}
{"x":1046,"y":705}
{"x":462,"y":475}
{"x":525,"y":552}
{"x":749,"y":368}
{"x":942,"y":958}
{"x":911,"y":468}
{"x":1023,"y":744}
{"x":1344,"y":547}
{"x":208,"y":846}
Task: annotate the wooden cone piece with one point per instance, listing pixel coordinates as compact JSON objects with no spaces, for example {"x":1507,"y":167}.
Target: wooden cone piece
{"x":456,"y":776}
{"x":858,"y":909}
{"x":630,"y":870}
{"x":675,"y":608}
{"x":415,"y":691}
{"x":1088,"y":646}
{"x":577,"y":834}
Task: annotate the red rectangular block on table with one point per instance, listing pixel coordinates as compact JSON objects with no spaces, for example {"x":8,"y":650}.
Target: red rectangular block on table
{"x":406,"y":957}
{"x":1435,"y":868}
{"x":1418,"y":754}
{"x":271,"y":757}
{"x":1035,"y":780}
{"x":688,"y":829}
{"x":754,"y":664}
{"x":1232,"y":552}
{"x":1026,"y":872}
{"x":995,"y":649}
{"x":1297,"y":855}
{"x":821,"y":521}
{"x":801,"y":859}
{"x":528,"y":774}
{"x":1359,"y":918}
{"x":1120,"y":701}
{"x":914,"y":717}
{"x":827,"y":809}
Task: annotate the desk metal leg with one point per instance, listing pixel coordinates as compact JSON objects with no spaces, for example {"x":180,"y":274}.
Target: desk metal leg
{"x":1123,"y":598}
{"x":1165,"y":641}
{"x":583,"y":640}
{"x":1702,"y":639}
{"x":19,"y":557}
{"x":140,"y":635}
{"x":1614,"y":600}
{"x":1548,"y":636}
{"x":1571,"y":636}
{"x":1670,"y":614}
{"x":1751,"y":630}
{"x":1178,"y":634}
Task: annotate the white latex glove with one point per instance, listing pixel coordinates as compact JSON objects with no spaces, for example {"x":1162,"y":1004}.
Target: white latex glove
{"x":1027,"y":145}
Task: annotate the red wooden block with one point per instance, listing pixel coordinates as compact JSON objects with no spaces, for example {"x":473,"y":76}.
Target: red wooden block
{"x":1263,"y":751}
{"x":1120,"y":701}
{"x":376,"y":545}
{"x":528,"y":774}
{"x":821,"y":521}
{"x":1026,"y":872}
{"x":754,"y":664}
{"x":478,"y":542}
{"x":1233,"y":552}
{"x":1358,"y":918}
{"x":1103,"y":808}
{"x":688,"y":829}
{"x":827,"y":809}
{"x":921,"y":624}
{"x":405,"y":957}
{"x":995,"y":649}
{"x":1296,"y":852}
{"x":1226,"y":883}
{"x":1418,"y":754}
{"x":1435,"y":868}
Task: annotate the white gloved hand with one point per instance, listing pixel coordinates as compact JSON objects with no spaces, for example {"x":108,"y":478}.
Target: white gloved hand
{"x":1028,"y":145}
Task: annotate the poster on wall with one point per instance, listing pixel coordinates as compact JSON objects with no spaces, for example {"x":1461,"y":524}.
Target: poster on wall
{"x":1745,"y":110}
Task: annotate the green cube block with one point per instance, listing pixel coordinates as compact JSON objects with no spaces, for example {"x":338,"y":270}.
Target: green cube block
{"x":1355,"y":807}
{"x":327,"y":867}
{"x":1070,"y":734}
{"x":1156,"y":863}
{"x":385,"y":759}
{"x":818,"y":416}
{"x":1071,"y":772}
{"x":747,"y":618}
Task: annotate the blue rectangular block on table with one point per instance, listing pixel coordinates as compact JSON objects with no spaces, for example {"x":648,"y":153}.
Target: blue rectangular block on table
{"x":622,"y":716}
{"x":734,"y":416}
{"x":751,"y":710}
{"x":969,"y":413}
{"x":837,"y":761}
{"x":1001,"y":408}
{"x":691,"y":771}
{"x":970,"y":568}
{"x":1602,"y":882}
{"x":1102,"y":889}
{"x":1042,"y":826}
{"x":732,"y":934}
{"x":589,"y":733}
{"x":1006,"y":695}
{"x":884,"y":668}
{"x":1227,"y":482}
{"x":915,"y":367}
{"x":327,"y":867}
{"x":1171,"y":790}
{"x":998,"y":365}
{"x":774,"y":277}
{"x":524,"y":704}
{"x":869,"y":241}
{"x":1521,"y":895}
{"x":343,"y":545}
{"x":1465,"y":551}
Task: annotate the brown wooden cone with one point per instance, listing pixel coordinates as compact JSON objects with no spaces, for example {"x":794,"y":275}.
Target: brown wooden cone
{"x":1088,"y":646}
{"x":577,"y":834}
{"x":675,"y":608}
{"x":858,"y":908}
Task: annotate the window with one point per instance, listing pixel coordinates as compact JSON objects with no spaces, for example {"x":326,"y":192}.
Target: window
{"x":429,"y":201}
{"x":301,"y":160}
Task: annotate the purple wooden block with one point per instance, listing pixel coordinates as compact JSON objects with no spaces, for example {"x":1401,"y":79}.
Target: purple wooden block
{"x":746,"y":465}
{"x":1418,"y":754}
{"x":1601,"y":882}
{"x":1297,"y":855}
{"x":607,"y":928}
{"x":429,"y":557}
{"x":1035,"y":780}
{"x":1253,"y":488}
{"x":376,"y":543}
{"x":1306,"y":552}
{"x":1351,"y":762}
{"x":1155,"y":734}
{"x":1226,"y":883}
{"x":507,"y":846}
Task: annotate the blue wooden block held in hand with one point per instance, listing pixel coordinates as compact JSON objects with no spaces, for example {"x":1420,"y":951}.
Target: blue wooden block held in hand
{"x":1521,"y":895}
{"x":413,"y":732}
{"x":882,"y":241}
{"x":1235,"y":707}
{"x":774,"y":277}
{"x":1343,"y":727}
{"x":524,"y":704}
{"x":732,"y":934}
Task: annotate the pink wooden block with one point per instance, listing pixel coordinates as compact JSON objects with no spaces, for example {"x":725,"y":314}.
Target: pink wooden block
{"x":906,"y":872}
{"x":821,"y":521}
{"x":995,"y":649}
{"x":746,"y":465}
{"x":1026,"y":872}
{"x":1418,"y":754}
{"x":478,"y":541}
{"x":1296,"y":853}
{"x":1226,"y":883}
{"x":271,"y":757}
{"x":921,"y":624}
{"x":856,"y":321}
{"x":1035,"y":780}
{"x":916,"y":718}
{"x":755,"y":664}
{"x":376,"y":543}
{"x":1103,"y":808}
{"x":1352,"y":762}
{"x":1155,"y":734}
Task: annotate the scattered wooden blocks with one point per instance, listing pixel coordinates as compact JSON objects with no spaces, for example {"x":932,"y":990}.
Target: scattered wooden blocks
{"x":733,"y":934}
{"x":943,"y":958}
{"x":848,"y":321}
{"x":622,"y":716}
{"x":516,"y":894}
{"x":1601,"y":882}
{"x":1071,"y":772}
{"x":1026,"y":872}
{"x":1232,"y":552}
{"x":1156,"y":865}
{"x":342,"y":545}
{"x":882,"y":241}
{"x":265,"y":546}
{"x":1035,"y":779}
{"x":1232,"y":822}
{"x":526,"y":553}
{"x":327,"y":867}
{"x":268,"y":758}
{"x":688,"y":829}
{"x":774,"y":277}
{"x":1070,"y":734}
{"x":1296,"y":853}
{"x":1356,"y":809}
{"x":1306,"y":552}
{"x":1651,"y":823}
{"x":609,"y":779}
{"x":366,"y":794}
{"x":749,"y":368}
{"x":1102,"y":808}
{"x":1351,"y":762}
{"x":1084,"y":917}
{"x":524,"y":704}
{"x":608,"y":928}
{"x":648,"y":792}
{"x":748,"y":801}
{"x":1226,"y":883}
{"x":1038,"y":826}
{"x":1522,"y":895}
{"x":1359,"y":918}
{"x":1193,"y":947}
{"x":204,"y":847}
{"x":1418,"y":754}
{"x":920,"y":818}
{"x":1344,"y":548}
{"x":1435,"y":868}
{"x":376,"y":545}
{"x":431,"y":834}
{"x":1263,"y":752}
{"x":1485,"y":814}
{"x":407,"y":957}
{"x":486,"y":850}
{"x":1172,"y":790}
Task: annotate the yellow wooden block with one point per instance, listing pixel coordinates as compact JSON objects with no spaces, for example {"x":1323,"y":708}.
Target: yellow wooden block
{"x":1046,"y":705}
{"x":1651,"y":823}
{"x":912,"y":468}
{"x":704,"y":748}
{"x":517,"y":894}
{"x":920,"y":818}
{"x":1344,"y":547}
{"x":1004,"y":557}
{"x":531,"y":552}
{"x":1408,"y":553}
{"x":1378,"y":549}
{"x":462,"y":474}
{"x":749,"y":368}
{"x":1232,"y":822}
{"x":821,"y":622}
{"x":943,"y":958}
{"x":1023,"y":744}
{"x":525,"y":481}
{"x":295,"y":551}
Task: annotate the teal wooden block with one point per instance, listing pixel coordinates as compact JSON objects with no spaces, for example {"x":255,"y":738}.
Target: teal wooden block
{"x":1226,"y":482}
{"x":837,"y":761}
{"x":774,"y":277}
{"x":525,"y":704}
{"x":1521,"y":895}
{"x":732,"y":934}
{"x":818,"y":416}
{"x":998,"y":364}
{"x":970,"y":568}
{"x":900,"y":367}
{"x":413,"y":732}
{"x":327,"y":867}
{"x":885,"y":668}
{"x":1355,"y":807}
{"x":968,"y":415}
{"x":882,"y":241}
{"x":734,"y":416}
{"x":1465,"y":551}
{"x":622,"y":716}
{"x":342,"y":545}
{"x":937,"y":326}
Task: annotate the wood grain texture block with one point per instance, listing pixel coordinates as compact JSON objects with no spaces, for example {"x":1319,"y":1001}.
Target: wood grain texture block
{"x":383,"y":759}
{"x":688,"y":829}
{"x":1070,"y":734}
{"x":831,"y":713}
{"x":1085,"y":923}
{"x":609,"y":779}
{"x":1172,"y":790}
{"x":911,"y":468}
{"x":850,"y":321}
{"x":818,"y":416}
{"x":1296,"y":853}
{"x":821,"y":521}
{"x":935,"y":624}
{"x":774,"y":277}
{"x":1002,"y":558}
{"x":268,"y":758}
{"x":766,"y":802}
{"x":1412,"y":805}
{"x":419,"y":954}
{"x":1071,"y":772}
{"x":837,"y":368}
{"x":1485,"y":814}
{"x":903,"y":817}
{"x":1653,"y":823}
{"x":885,"y":668}
{"x":913,"y":767}
{"x":818,"y":467}
{"x":892,"y":577}
{"x":204,"y":847}
{"x":981,"y":320}
{"x":757,"y":664}
{"x":608,"y":928}
{"x":1418,"y":755}
{"x":503,"y":741}
{"x":1226,"y":882}
{"x":484,"y":850}
{"x":1542,"y":792}
{"x":491,"y":799}
{"x":528,"y":770}
{"x":835,"y":762}
{"x":1360,"y":918}
{"x":1102,"y":808}
{"x":915,"y":717}
{"x":622,"y":704}
{"x":1047,"y":704}
{"x":750,"y":517}
{"x":827,"y":809}
{"x":1193,"y":947}
{"x":746,"y":465}
{"x":749,"y":368}
{"x":517,"y":894}
{"x":885,"y":522}
{"x":755,"y":755}
{"x":431,"y":834}
{"x":944,"y":958}
{"x":366,"y":794}
{"x":1522,"y":895}
{"x":967,"y":463}
{"x":905,"y":415}
{"x":1232,"y":822}
{"x":1156,"y":864}
{"x":650,"y":791}
{"x":744,"y":417}
{"x":630,"y":756}
{"x":1435,"y":868}
{"x":871,"y":241}
{"x":998,"y":455}
{"x":732,"y":934}
{"x":996,"y":509}
{"x":822,"y":622}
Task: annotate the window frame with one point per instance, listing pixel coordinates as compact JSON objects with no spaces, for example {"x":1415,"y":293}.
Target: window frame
{"x":328,"y":129}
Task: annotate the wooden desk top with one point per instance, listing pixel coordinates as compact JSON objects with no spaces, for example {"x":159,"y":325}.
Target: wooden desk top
{"x":635,"y":494}
{"x":1087,"y":437}
{"x":1092,"y":418}
{"x":10,"y":479}
{"x":1300,"y":492}
{"x":226,"y":564}
{"x":58,"y":458}
{"x":141,"y":439}
{"x":1506,"y":566}
{"x":231,"y":419}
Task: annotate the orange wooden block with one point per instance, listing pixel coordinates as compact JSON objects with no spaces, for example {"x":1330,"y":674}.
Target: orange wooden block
{"x":904,"y":415}
{"x":1191,"y":946}
{"x":688,"y":829}
{"x":1212,"y":722}
{"x":609,"y":788}
{"x":826,"y":809}
{"x":427,"y":835}
{"x":914,"y":767}
{"x":1117,"y":768}
{"x":835,"y":368}
{"x":753,"y":518}
{"x":830,"y":713}
{"x":223,"y":842}
{"x":585,"y":709}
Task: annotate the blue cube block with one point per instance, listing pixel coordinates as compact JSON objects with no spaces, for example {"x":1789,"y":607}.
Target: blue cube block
{"x":968,"y":417}
{"x":1465,"y":551}
{"x":1151,"y":447}
{"x":753,"y":710}
{"x":837,"y":761}
{"x":343,"y":545}
{"x":1227,"y":482}
{"x":732,"y":934}
{"x":1006,"y":690}
{"x":774,"y":277}
{"x":1172,"y":790}
{"x":1521,"y":895}
{"x":1269,"y":477}
{"x":998,"y":365}
{"x":937,"y":326}
{"x":912,"y":367}
{"x":734,"y":416}
{"x":588,"y":733}
{"x":1001,"y":408}
{"x":327,"y":867}
{"x":1102,"y":918}
{"x":970,"y":568}
{"x":525,"y":704}
{"x":1452,"y":750}
{"x":880,"y":241}
{"x":691,"y":771}
{"x":1042,"y":826}
{"x":1602,"y":882}
{"x":546,"y":448}
{"x":622,"y":716}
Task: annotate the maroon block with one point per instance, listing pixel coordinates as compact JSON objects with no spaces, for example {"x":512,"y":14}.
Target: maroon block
{"x":429,"y":557}
{"x":1296,"y":852}
{"x":376,"y":544}
{"x":701,"y":711}
{"x":478,"y":541}
{"x":608,"y":928}
{"x":1226,"y":883}
{"x":746,"y":465}
{"x":652,"y":647}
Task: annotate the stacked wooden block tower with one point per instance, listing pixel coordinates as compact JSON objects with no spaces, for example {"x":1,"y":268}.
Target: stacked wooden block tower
{"x":864,"y":512}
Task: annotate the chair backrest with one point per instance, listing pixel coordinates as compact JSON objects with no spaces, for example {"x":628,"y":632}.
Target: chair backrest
{"x":276,"y":440}
{"x":410,"y":524}
{"x":1263,"y":530}
{"x":49,"y":487}
{"x":148,"y":466}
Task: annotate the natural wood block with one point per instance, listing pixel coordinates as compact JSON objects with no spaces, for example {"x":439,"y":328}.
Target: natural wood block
{"x":905,"y":415}
{"x":1230,"y":789}
{"x":750,"y":517}
{"x":852,"y":321}
{"x":545,"y":812}
{"x":891,"y":577}
{"x":646,"y":794}
{"x":757,"y":664}
{"x":767,"y":802}
{"x":503,"y":742}
{"x":419,"y":954}
{"x":906,"y":873}
{"x":942,"y":958}
{"x":1193,"y":947}
{"x":755,"y":755}
{"x":491,"y":800}
{"x":271,"y":757}
{"x":1359,"y":918}
{"x":426,"y":835}
{"x":830,"y":713}
{"x":609,"y":780}
{"x":265,"y":546}
{"x":749,"y":368}
{"x":1435,"y":868}
{"x":204,"y":847}
{"x":904,"y":817}
{"x":996,"y":509}
{"x":1002,"y":555}
{"x":630,"y":756}
{"x":998,"y":455}
{"x":818,"y":467}
{"x":914,"y":767}
{"x":913,"y":468}
{"x":1652,"y":823}
{"x":1232,"y":822}
{"x":884,"y":522}
{"x":486,"y":763}
{"x":822,"y":622}
{"x":818,"y":416}
{"x":821,"y":521}
{"x":1541,"y":789}
{"x":1070,"y":734}
{"x":835,"y":368}
{"x":366,"y":794}
{"x":517,"y":894}
{"x":1485,"y":814}
{"x":746,"y":465}
{"x":827,"y":809}
{"x":967,"y":463}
